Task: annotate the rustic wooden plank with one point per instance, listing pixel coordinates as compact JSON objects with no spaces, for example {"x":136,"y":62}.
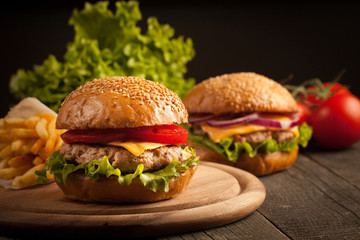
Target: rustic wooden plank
{"x":310,"y":201}
{"x":254,"y":226}
{"x":345,"y":163}
{"x":335,"y":187}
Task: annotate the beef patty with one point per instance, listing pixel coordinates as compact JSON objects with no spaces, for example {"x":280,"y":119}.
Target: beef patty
{"x":121,"y":158}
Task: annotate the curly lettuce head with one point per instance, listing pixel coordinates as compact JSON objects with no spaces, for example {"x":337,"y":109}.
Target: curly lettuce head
{"x":109,"y":44}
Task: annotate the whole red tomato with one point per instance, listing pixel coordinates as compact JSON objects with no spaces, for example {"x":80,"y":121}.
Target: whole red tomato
{"x":304,"y":112}
{"x":336,"y":122}
{"x":314,"y":93}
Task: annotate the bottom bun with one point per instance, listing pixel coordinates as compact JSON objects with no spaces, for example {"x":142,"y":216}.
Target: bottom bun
{"x":259,"y":165}
{"x":82,"y":188}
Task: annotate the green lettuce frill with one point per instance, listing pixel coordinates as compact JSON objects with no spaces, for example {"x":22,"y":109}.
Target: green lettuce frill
{"x":231,"y":149}
{"x":158,"y":180}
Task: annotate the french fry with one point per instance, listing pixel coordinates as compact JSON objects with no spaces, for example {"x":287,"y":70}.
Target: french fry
{"x":50,"y":143}
{"x":5,"y":136}
{"x":16,"y":145}
{"x":41,"y":129}
{"x":59,"y":143}
{"x":4,"y":163}
{"x":11,"y":172}
{"x":32,"y":121}
{"x":1,"y":122}
{"x":20,"y":160}
{"x":28,"y":178}
{"x":14,"y":123}
{"x":37,"y":145}
{"x":49,"y":176}
{"x":4,"y":131}
{"x":44,"y":154}
{"x":38,"y":160}
{"x":6,"y":152}
{"x":24,"y":133}
{"x":26,"y":147}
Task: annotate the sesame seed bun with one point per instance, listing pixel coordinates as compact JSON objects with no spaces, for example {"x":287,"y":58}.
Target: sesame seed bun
{"x":120,"y":102}
{"x":82,"y":188}
{"x":239,"y":92}
{"x":259,"y":165}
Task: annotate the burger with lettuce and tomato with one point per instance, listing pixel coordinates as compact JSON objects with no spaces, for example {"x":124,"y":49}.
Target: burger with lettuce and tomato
{"x":245,"y":120}
{"x":123,"y":143}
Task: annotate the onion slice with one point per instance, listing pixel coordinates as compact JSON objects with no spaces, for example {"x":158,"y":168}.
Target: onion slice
{"x":231,"y":122}
{"x":275,"y":123}
{"x":254,"y":118}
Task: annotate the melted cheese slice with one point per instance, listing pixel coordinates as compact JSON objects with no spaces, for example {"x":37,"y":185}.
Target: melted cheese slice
{"x":216,"y":134}
{"x":137,"y":148}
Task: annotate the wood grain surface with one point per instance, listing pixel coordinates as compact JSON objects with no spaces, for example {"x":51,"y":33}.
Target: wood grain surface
{"x":317,"y":198}
{"x":216,"y":196}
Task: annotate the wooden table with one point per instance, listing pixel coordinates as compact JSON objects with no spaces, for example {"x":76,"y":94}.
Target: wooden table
{"x":318,"y":197}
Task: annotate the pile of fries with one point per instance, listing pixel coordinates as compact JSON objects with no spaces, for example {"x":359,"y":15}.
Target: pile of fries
{"x":25,"y":145}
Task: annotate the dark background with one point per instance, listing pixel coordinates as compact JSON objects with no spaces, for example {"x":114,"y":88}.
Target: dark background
{"x":274,"y":38}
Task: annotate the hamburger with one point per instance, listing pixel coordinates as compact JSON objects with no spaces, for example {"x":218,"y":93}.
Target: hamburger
{"x":122,"y":144}
{"x":245,"y":120}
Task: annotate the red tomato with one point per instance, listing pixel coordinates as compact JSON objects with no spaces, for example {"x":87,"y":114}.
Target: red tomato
{"x":167,"y":134}
{"x":314,"y":99}
{"x":304,"y":112}
{"x":336,"y":122}
{"x":170,"y":134}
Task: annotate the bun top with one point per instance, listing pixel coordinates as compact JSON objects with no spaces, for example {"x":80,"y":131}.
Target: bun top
{"x":120,"y":102}
{"x":239,"y":92}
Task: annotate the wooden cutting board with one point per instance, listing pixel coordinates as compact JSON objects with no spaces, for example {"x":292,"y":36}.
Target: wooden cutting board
{"x":217,"y":195}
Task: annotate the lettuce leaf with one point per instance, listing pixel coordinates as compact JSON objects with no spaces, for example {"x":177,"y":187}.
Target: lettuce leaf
{"x":107,"y":44}
{"x":305,"y":134}
{"x":158,"y":180}
{"x":231,"y":149}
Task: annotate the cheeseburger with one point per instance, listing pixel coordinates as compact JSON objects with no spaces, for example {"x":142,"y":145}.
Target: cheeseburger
{"x":122,"y":143}
{"x":245,"y":120}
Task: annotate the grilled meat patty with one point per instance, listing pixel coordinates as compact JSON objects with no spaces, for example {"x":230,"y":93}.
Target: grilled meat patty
{"x":256,"y":138}
{"x":121,"y":158}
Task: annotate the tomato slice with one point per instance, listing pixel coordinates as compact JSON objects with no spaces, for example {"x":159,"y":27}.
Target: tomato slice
{"x":167,"y":134}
